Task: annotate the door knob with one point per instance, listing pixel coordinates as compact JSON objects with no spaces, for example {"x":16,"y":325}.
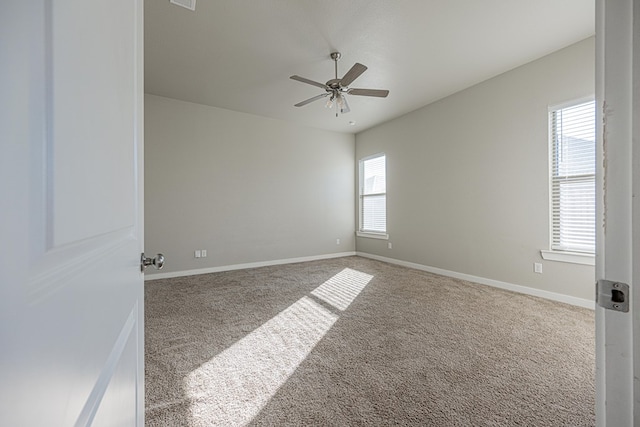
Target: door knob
{"x":157,"y":261}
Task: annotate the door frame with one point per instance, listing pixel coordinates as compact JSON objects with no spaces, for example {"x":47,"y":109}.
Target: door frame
{"x":618,"y":211}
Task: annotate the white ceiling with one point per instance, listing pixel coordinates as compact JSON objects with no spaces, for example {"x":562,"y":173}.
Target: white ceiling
{"x":239,"y":54}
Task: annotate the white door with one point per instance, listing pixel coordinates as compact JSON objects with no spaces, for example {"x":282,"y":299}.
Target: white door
{"x":618,"y":232}
{"x":71,"y":290}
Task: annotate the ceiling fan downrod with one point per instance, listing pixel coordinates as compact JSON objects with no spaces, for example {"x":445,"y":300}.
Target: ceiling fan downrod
{"x":336,"y":57}
{"x":336,"y":95}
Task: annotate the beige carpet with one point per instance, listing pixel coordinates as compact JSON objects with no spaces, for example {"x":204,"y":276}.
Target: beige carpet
{"x":357,"y":342}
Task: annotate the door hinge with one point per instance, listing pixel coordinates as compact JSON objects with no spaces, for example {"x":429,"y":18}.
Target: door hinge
{"x":612,"y":295}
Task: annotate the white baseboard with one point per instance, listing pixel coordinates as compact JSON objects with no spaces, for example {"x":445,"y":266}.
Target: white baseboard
{"x":182,"y":273}
{"x":580,"y":302}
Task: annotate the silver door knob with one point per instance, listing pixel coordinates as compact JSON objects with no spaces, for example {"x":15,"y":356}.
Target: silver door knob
{"x":157,"y":261}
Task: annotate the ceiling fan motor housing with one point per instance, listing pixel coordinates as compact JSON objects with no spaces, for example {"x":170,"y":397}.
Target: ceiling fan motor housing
{"x":334,"y":84}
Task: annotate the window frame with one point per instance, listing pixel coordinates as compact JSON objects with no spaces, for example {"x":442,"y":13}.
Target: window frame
{"x":360,"y":231}
{"x":554,"y":254}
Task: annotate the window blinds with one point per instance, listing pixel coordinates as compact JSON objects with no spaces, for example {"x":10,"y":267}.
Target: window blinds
{"x":573,"y":178}
{"x":373,"y":197}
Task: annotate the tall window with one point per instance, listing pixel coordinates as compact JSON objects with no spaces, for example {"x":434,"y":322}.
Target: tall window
{"x":373,"y":195}
{"x":573,"y":166}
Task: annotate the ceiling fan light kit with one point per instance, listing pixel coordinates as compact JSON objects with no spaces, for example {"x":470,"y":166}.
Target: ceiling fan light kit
{"x":337,"y":89}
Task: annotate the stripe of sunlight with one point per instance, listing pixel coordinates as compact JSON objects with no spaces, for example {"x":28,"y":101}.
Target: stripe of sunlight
{"x":231,"y":388}
{"x":234,"y":386}
{"x":343,"y":288}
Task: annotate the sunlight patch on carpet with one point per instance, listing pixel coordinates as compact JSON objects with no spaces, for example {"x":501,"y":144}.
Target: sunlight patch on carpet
{"x":343,"y":288}
{"x":232,"y":388}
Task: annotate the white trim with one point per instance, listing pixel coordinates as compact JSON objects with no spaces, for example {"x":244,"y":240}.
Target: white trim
{"x":373,"y":156}
{"x":572,"y":257}
{"x":580,"y":302}
{"x":360,"y":195}
{"x":182,"y":273}
{"x":572,"y":103}
{"x":550,"y":150}
{"x":372,"y":235}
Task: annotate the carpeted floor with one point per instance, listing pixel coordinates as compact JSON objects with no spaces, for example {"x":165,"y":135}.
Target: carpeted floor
{"x":357,"y":342}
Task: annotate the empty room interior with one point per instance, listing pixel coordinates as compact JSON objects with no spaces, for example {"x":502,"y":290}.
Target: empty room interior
{"x":398,"y":234}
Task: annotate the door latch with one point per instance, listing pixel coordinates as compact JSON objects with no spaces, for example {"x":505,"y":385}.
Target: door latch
{"x":612,"y":295}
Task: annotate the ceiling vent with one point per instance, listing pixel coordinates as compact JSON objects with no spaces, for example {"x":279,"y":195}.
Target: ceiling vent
{"x":187,"y":4}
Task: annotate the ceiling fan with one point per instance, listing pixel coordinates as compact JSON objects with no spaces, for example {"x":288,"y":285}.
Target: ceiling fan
{"x":336,"y":89}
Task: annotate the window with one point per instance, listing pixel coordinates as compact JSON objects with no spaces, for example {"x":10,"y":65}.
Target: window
{"x":373,"y":197}
{"x":573,"y":190}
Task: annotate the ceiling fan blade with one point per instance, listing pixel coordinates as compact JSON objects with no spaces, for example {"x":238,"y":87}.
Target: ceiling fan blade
{"x":310,"y":100}
{"x":311,"y":82}
{"x":369,"y":92}
{"x":345,"y":105}
{"x":353,"y":74}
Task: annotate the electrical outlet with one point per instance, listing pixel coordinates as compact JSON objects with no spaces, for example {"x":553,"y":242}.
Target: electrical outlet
{"x":537,"y":267}
{"x":204,"y":253}
{"x":389,"y":245}
{"x":337,"y":241}
{"x":198,"y":254}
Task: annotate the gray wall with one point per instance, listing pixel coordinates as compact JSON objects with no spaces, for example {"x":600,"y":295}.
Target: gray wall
{"x":467,"y":176}
{"x":245,"y":188}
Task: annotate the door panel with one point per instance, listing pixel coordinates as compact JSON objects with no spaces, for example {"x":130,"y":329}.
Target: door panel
{"x":89,"y":146}
{"x":117,"y":405}
{"x":71,"y":297}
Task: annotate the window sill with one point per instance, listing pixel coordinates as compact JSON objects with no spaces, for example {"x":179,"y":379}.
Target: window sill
{"x":571,"y":257}
{"x":372,"y":235}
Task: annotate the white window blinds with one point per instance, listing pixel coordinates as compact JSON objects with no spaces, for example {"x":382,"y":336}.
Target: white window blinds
{"x":373,"y":195}
{"x":573,"y":164}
